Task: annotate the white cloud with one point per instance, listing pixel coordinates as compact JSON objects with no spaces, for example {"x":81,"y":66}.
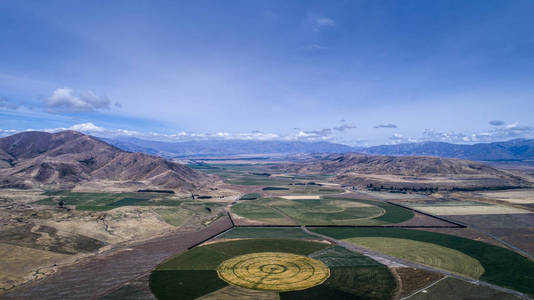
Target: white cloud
{"x":500,"y":133}
{"x":258,"y":135}
{"x":63,"y":100}
{"x":318,"y":22}
{"x":87,"y":127}
{"x":398,"y":138}
{"x":322,"y":21}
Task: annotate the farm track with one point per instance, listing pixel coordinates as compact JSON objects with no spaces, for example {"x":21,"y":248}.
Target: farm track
{"x":391,"y":261}
{"x":104,"y":273}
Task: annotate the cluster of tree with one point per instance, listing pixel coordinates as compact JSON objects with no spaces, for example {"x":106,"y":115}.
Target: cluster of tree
{"x":402,"y":190}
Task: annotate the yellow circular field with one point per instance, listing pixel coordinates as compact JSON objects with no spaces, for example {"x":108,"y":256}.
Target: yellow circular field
{"x":273,"y":271}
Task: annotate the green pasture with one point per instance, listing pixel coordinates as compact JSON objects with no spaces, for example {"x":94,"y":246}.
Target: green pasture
{"x":175,"y":216}
{"x":421,"y":252}
{"x":325,"y":211}
{"x":501,"y":266}
{"x":353,"y":276}
{"x":107,"y":201}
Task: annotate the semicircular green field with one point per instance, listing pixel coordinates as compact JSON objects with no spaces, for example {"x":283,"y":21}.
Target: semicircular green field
{"x":425,"y":253}
{"x":502,"y":267}
{"x":337,"y":272}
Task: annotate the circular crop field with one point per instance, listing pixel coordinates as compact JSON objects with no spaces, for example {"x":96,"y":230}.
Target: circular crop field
{"x":273,"y":271}
{"x":424,"y":253}
{"x":271,"y":268}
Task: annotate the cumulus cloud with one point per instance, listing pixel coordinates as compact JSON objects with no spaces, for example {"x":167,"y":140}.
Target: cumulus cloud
{"x":87,"y":127}
{"x":398,"y":138}
{"x":64,"y":100}
{"x":496,"y":122}
{"x":258,"y":135}
{"x":344,"y":127}
{"x":500,"y":133}
{"x":388,"y":125}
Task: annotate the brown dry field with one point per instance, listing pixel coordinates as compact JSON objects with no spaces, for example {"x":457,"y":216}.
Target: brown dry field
{"x":525,"y":196}
{"x":459,"y":210}
{"x":22,"y":264}
{"x":516,"y":229}
{"x":47,"y":238}
{"x":104,"y":273}
{"x":424,"y":220}
{"x":412,"y":279}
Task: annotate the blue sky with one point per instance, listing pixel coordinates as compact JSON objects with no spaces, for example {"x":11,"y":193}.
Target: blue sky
{"x":356,"y":72}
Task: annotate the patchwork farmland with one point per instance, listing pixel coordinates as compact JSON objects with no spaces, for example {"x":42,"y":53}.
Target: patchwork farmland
{"x":284,"y":236}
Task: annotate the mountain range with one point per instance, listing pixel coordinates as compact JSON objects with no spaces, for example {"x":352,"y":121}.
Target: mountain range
{"x":400,"y":172}
{"x":224,"y":147}
{"x":513,"y":150}
{"x":69,"y":159}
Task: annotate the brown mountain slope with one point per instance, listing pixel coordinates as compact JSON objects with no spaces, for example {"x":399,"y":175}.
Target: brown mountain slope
{"x":409,"y":171}
{"x":70,"y":158}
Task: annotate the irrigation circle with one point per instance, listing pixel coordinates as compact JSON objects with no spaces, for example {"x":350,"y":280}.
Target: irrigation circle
{"x":273,"y":271}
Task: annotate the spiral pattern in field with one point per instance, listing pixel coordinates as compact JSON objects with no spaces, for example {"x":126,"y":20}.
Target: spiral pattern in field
{"x":273,"y":271}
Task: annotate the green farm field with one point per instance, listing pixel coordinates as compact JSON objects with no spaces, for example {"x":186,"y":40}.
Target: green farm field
{"x":107,"y":201}
{"x":194,"y":274}
{"x":501,"y":266}
{"x":324,"y":211}
{"x":424,"y":253}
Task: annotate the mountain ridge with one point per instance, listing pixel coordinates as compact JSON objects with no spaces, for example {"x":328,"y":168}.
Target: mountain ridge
{"x":511,"y":150}
{"x":517,"y":149}
{"x":71,"y":158}
{"x":224,"y":147}
{"x":400,"y":172}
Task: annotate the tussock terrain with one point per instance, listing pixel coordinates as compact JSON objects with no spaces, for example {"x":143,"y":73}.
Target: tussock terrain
{"x":67,"y":159}
{"x":407,"y":172}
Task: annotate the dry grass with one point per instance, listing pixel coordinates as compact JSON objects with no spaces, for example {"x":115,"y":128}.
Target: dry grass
{"x":119,"y":225}
{"x":513,"y":196}
{"x":414,"y":279}
{"x":21,"y":264}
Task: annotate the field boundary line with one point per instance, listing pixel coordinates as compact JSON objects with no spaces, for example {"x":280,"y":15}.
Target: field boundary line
{"x":426,"y":287}
{"x":458,"y":224}
{"x":213,"y":236}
